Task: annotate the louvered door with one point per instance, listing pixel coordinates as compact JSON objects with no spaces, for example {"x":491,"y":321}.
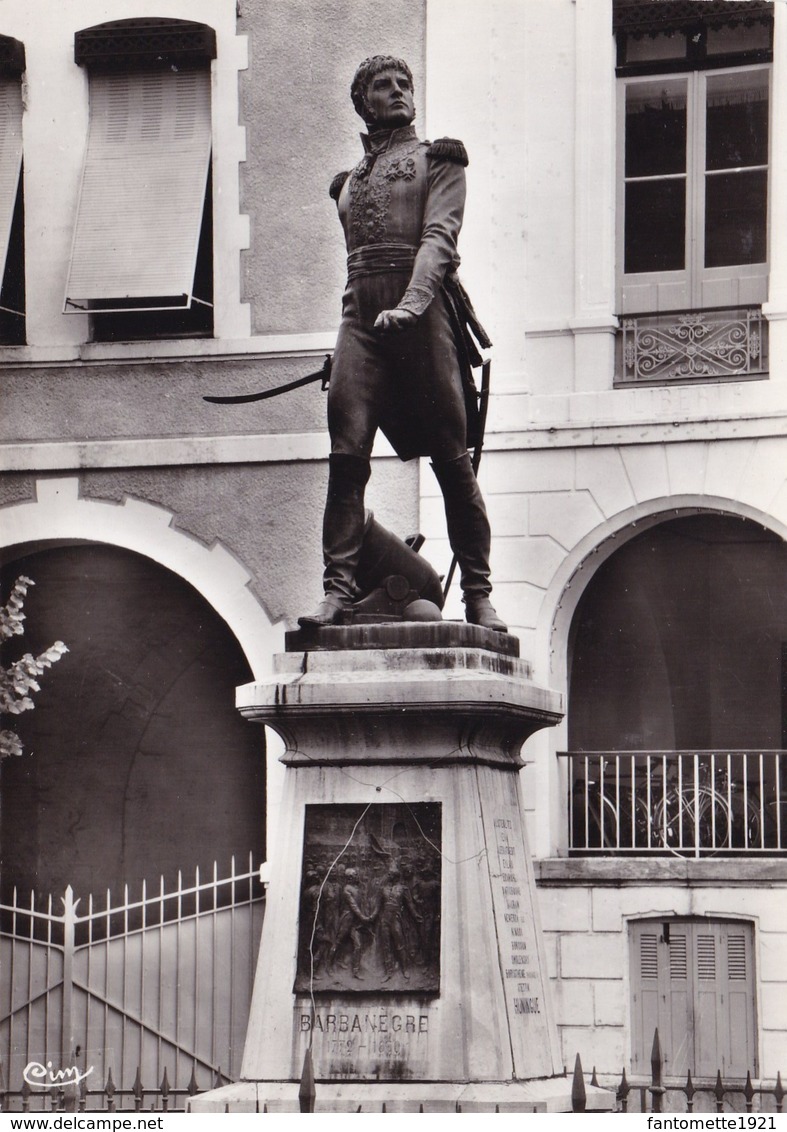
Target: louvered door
{"x":694,"y":979}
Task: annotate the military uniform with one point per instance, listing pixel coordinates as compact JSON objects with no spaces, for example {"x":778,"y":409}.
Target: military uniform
{"x":401,"y":209}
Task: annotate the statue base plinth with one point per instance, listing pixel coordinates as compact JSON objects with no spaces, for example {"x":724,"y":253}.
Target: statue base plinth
{"x":550,"y":1095}
{"x":401,"y":942}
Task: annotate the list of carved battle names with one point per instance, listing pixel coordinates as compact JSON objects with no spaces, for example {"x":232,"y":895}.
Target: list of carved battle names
{"x":518,"y":956}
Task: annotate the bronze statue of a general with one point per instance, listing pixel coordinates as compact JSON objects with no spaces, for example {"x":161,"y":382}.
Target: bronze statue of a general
{"x":401,"y":360}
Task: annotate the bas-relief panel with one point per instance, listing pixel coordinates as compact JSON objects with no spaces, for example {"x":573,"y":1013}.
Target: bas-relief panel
{"x":369,"y":919}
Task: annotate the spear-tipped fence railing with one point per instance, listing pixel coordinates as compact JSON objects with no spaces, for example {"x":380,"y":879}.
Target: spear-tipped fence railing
{"x":105,"y":995}
{"x":730,"y":1095}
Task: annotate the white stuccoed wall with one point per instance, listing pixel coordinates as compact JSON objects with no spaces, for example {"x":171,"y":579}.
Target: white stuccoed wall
{"x":569,"y":460}
{"x":586,"y":932}
{"x":55,"y":129}
{"x":572,"y":467}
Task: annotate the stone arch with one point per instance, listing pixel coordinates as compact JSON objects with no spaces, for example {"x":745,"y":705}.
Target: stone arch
{"x":60,"y":513}
{"x":136,"y":765}
{"x":580,"y":565}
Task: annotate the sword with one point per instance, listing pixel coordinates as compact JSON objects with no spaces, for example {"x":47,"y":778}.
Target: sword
{"x":323,"y":375}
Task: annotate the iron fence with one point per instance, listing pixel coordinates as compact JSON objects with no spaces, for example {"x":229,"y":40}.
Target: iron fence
{"x":686,"y":803}
{"x":661,"y":1095}
{"x":154,"y":989}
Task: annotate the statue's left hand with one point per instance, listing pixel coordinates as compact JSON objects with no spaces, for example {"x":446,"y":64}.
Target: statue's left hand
{"x":390,"y":322}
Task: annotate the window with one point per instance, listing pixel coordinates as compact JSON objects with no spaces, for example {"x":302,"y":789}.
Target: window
{"x":693,"y":136}
{"x":142,"y":262}
{"x":695,"y":190}
{"x":694,"y":980}
{"x":12,"y":273}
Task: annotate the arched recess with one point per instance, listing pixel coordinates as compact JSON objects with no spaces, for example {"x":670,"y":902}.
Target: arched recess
{"x":60,"y":515}
{"x":578,"y":568}
{"x":558,"y":611}
{"x":678,"y":640}
{"x":136,"y":765}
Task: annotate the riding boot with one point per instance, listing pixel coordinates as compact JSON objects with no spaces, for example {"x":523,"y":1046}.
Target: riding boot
{"x":342,"y":536}
{"x":470,"y":538}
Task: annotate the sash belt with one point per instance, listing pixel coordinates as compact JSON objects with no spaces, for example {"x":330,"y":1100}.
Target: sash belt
{"x":376,"y":259}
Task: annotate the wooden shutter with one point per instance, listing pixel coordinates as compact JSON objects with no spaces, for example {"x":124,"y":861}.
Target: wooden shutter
{"x":675,"y":1023}
{"x":646,"y":991}
{"x":143,"y":190}
{"x":10,"y":158}
{"x":708,"y":1016}
{"x":740,"y":1015}
{"x":694,"y":979}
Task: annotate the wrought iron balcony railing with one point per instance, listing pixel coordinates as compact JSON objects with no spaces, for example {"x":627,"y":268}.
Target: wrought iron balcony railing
{"x":683,"y":803}
{"x":685,"y":346}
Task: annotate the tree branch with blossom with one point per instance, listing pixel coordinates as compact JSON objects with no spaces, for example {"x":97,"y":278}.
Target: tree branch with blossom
{"x":19,"y":681}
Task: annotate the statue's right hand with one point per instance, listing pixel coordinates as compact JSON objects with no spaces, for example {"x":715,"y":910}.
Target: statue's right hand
{"x":391,"y":322}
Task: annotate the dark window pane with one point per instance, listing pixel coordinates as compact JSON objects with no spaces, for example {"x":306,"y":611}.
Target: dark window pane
{"x":655,"y":226}
{"x":655,"y":129}
{"x":737,"y":38}
{"x":655,"y":48}
{"x":12,"y":292}
{"x":737,"y":120}
{"x":735,"y":218}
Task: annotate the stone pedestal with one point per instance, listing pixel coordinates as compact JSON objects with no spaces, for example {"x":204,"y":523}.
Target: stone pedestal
{"x":401,"y":942}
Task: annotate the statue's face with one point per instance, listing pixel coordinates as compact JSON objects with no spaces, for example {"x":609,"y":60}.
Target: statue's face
{"x":389,"y":98}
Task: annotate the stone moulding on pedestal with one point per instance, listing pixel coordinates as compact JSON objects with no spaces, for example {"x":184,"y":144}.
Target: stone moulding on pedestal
{"x":401,"y":944}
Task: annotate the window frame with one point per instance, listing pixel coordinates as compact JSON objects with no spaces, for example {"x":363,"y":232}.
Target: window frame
{"x":693,"y":278}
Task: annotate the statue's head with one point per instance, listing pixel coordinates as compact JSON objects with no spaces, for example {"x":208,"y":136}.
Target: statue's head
{"x":382,"y":92}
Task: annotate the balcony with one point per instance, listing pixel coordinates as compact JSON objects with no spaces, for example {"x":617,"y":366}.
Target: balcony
{"x":688,"y":804}
{"x":690,"y":346}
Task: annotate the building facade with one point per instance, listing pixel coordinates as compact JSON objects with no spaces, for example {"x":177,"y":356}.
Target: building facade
{"x":623,"y":245}
{"x":636,"y":476}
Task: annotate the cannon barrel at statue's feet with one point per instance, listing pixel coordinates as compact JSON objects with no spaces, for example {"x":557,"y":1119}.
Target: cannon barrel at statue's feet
{"x":401,"y":946}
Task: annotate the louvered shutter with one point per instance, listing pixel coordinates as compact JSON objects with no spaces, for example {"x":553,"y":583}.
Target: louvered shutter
{"x":10,"y":158}
{"x":143,"y":190}
{"x":708,"y":1020}
{"x":694,"y":979}
{"x":741,"y":1052}
{"x":645,"y":992}
{"x":675,"y":1023}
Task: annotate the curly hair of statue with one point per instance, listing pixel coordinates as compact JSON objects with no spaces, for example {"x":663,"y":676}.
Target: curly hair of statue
{"x":367,"y":70}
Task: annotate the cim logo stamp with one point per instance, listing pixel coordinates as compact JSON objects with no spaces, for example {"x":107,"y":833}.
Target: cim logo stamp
{"x":45,"y":1077}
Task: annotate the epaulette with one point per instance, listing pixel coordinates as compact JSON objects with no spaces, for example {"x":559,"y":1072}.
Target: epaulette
{"x":448,"y":149}
{"x":337,"y":184}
